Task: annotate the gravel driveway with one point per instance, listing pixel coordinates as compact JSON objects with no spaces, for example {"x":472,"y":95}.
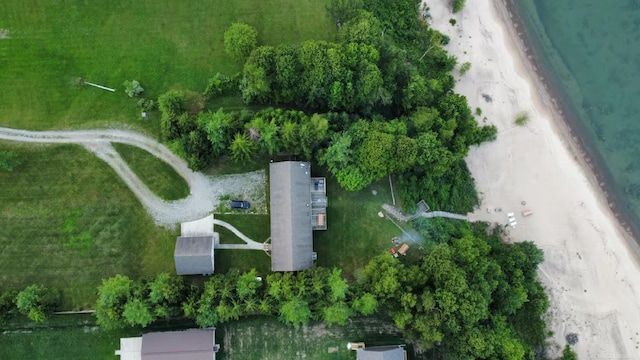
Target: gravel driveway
{"x":205,"y":191}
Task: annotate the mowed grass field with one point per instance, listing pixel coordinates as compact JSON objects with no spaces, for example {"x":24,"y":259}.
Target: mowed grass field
{"x":252,"y":338}
{"x":163,"y":44}
{"x":355,"y":233}
{"x":68,"y":221}
{"x":159,"y":176}
{"x":262,"y":338}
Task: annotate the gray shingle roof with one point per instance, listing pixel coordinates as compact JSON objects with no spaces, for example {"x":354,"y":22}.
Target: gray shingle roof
{"x":194,"y":255}
{"x":179,"y":345}
{"x":291,"y":232}
{"x":381,"y":353}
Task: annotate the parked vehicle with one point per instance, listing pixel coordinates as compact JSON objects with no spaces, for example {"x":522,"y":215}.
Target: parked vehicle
{"x":240,"y":204}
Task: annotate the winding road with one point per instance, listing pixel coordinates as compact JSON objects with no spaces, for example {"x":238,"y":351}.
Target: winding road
{"x":205,"y":192}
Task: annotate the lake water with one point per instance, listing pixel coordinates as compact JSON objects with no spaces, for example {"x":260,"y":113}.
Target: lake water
{"x":591,"y":50}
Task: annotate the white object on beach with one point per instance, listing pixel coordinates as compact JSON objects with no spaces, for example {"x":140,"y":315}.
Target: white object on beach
{"x":510,"y":215}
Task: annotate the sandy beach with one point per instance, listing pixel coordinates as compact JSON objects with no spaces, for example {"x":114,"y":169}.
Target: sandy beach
{"x":591,"y":270}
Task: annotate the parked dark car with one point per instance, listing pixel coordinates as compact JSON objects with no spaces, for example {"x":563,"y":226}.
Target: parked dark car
{"x":240,"y":204}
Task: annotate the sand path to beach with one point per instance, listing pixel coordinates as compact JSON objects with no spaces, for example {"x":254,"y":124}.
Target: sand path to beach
{"x":592,"y":278}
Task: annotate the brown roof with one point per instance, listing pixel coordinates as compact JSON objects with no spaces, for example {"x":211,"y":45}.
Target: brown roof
{"x":291,"y":226}
{"x":179,"y":345}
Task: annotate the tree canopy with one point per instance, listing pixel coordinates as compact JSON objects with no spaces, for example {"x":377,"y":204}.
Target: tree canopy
{"x":239,"y":40}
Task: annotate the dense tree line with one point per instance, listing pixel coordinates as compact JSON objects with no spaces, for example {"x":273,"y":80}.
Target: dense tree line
{"x":468,"y":296}
{"x":382,"y":100}
{"x":35,"y":302}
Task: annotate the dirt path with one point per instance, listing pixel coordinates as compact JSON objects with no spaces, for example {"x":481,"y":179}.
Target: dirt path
{"x":205,"y":191}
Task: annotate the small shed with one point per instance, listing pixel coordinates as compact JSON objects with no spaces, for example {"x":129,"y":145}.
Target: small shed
{"x":394,"y":352}
{"x":194,"y":255}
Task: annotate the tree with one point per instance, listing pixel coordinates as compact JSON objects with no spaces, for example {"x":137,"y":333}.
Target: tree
{"x":9,"y":160}
{"x":568,"y":353}
{"x":337,"y":313}
{"x":242,"y":148}
{"x":35,"y":301}
{"x":239,"y":40}
{"x":138,"y":312}
{"x":113,"y":294}
{"x":366,"y":304}
{"x":166,"y":292}
{"x":248,"y":284}
{"x":171,"y":105}
{"x":216,"y":126}
{"x":295,"y":312}
{"x":133,"y":88}
{"x":343,"y":10}
{"x":337,"y":285}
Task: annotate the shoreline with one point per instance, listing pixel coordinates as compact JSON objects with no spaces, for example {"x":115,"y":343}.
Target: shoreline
{"x":591,"y":270}
{"x":568,"y":125}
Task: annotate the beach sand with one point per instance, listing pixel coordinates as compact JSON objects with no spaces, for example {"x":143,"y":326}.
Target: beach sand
{"x":591,"y":269}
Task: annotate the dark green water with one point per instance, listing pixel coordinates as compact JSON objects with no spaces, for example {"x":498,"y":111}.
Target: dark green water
{"x":590,"y":49}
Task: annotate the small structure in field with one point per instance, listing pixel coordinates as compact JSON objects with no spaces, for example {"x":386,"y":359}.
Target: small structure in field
{"x":392,"y":352}
{"x":403,"y":249}
{"x":194,"y":251}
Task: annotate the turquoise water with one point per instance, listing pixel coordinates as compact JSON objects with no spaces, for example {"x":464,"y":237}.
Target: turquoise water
{"x":591,"y":49}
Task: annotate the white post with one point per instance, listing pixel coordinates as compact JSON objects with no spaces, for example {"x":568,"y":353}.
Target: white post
{"x":100,"y":86}
{"x":393,"y":197}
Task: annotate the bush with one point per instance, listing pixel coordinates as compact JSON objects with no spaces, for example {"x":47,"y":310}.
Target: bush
{"x":36,"y":301}
{"x":147,"y":104}
{"x":522,"y":119}
{"x":240,"y":40}
{"x":8,"y":160}
{"x":465,"y":67}
{"x":458,"y":5}
{"x":133,"y":88}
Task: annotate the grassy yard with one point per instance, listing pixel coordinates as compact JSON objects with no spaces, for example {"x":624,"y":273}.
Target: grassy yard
{"x":256,"y":227}
{"x":355,"y":233}
{"x":76,"y":337}
{"x":163,"y":44}
{"x":159,"y":176}
{"x":68,"y":221}
{"x":245,"y":339}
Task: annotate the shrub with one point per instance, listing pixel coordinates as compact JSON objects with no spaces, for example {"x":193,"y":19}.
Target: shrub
{"x":8,"y":160}
{"x":35,"y":301}
{"x":478,"y":111}
{"x":240,"y":40}
{"x":147,"y":104}
{"x":465,"y":67}
{"x":458,"y":5}
{"x":522,"y":119}
{"x":453,"y":22}
{"x":133,"y":88}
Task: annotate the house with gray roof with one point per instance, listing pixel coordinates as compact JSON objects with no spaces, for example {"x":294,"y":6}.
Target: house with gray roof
{"x":395,"y":352}
{"x":173,"y":345}
{"x":298,"y":206}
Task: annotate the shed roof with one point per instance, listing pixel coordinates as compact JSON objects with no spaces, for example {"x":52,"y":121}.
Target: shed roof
{"x":179,"y":345}
{"x":394,"y":352}
{"x":291,"y":226}
{"x":194,"y":255}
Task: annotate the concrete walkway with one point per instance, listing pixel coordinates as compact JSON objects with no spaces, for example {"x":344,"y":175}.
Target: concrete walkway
{"x":396,"y":213}
{"x":250,"y":244}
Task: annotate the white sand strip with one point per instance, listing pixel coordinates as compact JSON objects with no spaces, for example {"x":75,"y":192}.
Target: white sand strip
{"x":590,"y":269}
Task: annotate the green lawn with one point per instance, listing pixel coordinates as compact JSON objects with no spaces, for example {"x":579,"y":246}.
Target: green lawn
{"x":256,"y":227}
{"x":247,"y":339}
{"x":355,"y":233}
{"x":68,"y":221}
{"x":77,"y":337}
{"x":163,"y":44}
{"x":159,"y":176}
